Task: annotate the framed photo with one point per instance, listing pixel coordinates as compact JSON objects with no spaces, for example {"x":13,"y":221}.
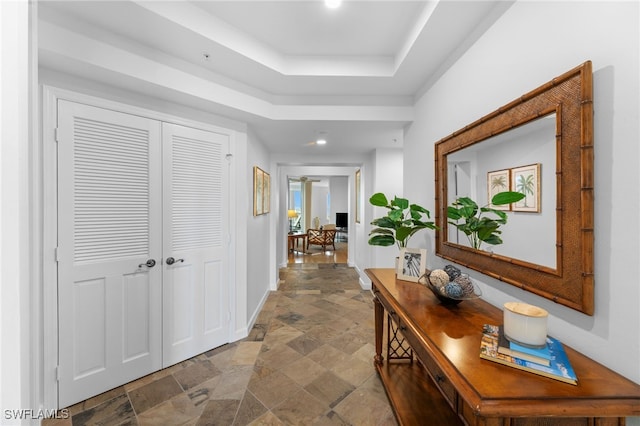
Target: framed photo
{"x":266,"y":193}
{"x":261,"y":191}
{"x":412,"y":263}
{"x":526,"y":179}
{"x":358,"y":196}
{"x":498,"y":181}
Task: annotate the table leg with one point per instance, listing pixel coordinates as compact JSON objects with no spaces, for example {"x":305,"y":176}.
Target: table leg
{"x":378,"y":318}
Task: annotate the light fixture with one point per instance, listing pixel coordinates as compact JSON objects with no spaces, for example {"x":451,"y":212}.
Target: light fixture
{"x":322,"y":138}
{"x":291,"y":214}
{"x":332,"y":4}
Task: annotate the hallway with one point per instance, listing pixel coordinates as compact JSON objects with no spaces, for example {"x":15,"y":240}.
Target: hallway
{"x":307,"y":360}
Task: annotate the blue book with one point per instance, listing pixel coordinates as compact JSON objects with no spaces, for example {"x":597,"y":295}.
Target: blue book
{"x":539,"y":352}
{"x":559,"y":367}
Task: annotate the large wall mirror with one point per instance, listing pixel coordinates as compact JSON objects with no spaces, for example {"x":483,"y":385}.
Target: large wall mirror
{"x":546,"y":138}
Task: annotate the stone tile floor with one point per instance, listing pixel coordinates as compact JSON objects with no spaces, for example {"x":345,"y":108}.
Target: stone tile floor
{"x":307,"y":361}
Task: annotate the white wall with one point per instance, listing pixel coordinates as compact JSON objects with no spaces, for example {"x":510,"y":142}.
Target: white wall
{"x":532,"y":43}
{"x":388,"y":179}
{"x":18,"y":304}
{"x":339,"y":192}
{"x":259,"y":232}
{"x":319,"y":195}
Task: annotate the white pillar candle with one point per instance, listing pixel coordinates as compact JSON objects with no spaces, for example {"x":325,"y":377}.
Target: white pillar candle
{"x":525,"y":324}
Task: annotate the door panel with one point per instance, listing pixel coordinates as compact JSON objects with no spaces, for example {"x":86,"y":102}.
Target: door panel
{"x":109,"y":225}
{"x":195,"y":230}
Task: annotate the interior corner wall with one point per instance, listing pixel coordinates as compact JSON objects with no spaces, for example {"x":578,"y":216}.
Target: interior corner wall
{"x":259,"y":231}
{"x":529,"y":45}
{"x":388,"y":178}
{"x":319,"y":204}
{"x":339,"y":193}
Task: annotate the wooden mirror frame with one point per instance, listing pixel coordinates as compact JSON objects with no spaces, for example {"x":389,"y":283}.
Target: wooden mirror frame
{"x":570,"y":283}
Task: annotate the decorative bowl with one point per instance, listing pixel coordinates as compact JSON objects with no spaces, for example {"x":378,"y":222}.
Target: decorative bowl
{"x":450,"y":291}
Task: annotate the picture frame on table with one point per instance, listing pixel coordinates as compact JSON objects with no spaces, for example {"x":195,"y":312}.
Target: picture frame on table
{"x":412,"y":264}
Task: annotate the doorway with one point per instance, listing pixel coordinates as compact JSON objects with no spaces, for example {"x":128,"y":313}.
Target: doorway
{"x":142,"y":250}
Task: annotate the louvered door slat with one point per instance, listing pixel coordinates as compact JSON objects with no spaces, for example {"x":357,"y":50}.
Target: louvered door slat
{"x":111,"y":164}
{"x":196,"y":189}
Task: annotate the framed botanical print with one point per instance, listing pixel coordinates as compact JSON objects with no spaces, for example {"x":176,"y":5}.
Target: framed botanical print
{"x":261,"y":191}
{"x":358,"y":196}
{"x":526,"y":179}
{"x":498,"y":181}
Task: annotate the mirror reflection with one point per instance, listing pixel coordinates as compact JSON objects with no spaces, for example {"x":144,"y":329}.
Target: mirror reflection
{"x":522,"y":159}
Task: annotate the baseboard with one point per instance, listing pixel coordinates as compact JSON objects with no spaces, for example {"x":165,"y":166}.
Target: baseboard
{"x":254,"y":316}
{"x":363,"y":280}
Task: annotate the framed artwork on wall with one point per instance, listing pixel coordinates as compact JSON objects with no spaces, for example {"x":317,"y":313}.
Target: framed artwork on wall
{"x":358,"y":196}
{"x":498,"y":181}
{"x":261,"y":191}
{"x":526,"y":179}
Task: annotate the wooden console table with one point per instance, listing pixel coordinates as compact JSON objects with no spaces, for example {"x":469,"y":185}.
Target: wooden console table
{"x":438,"y":377}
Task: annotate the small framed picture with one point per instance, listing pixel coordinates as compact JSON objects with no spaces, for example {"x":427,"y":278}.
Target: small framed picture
{"x":498,"y":181}
{"x":412,"y":263}
{"x":526,"y":179}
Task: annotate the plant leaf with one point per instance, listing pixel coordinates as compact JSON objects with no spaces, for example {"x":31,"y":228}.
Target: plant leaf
{"x":379,"y":199}
{"x":402,"y":233}
{"x":382,"y":240}
{"x":401,"y":203}
{"x":506,"y":197}
{"x":384,"y":222}
{"x":383,"y":231}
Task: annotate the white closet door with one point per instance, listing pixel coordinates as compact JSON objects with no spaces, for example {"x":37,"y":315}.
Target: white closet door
{"x":109,"y":227}
{"x":196,"y":307}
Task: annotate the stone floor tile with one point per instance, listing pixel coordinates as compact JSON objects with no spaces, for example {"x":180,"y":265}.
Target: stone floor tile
{"x":111,"y":412}
{"x":329,"y":389}
{"x":303,"y":371}
{"x":274,"y":388}
{"x":267,"y":419}
{"x":250,"y":409}
{"x":246,"y":353}
{"x":196,"y":373}
{"x":154,"y":393}
{"x":219,"y":412}
{"x":176,"y":411}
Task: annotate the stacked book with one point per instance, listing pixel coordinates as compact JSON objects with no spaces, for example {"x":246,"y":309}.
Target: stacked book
{"x":550,"y":361}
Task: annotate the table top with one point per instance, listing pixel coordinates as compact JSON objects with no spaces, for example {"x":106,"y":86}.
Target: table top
{"x":452,"y":334}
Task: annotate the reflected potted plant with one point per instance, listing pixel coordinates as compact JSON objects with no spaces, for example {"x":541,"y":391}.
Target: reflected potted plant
{"x":475,"y":225}
{"x":402,"y":221}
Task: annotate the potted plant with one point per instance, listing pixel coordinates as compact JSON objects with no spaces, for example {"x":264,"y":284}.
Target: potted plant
{"x":402,"y":221}
{"x":476,"y":226}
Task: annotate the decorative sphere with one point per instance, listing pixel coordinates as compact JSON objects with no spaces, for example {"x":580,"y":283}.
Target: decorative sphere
{"x":466,"y":285}
{"x":452,"y":271}
{"x":454,"y":290}
{"x":438,"y":278}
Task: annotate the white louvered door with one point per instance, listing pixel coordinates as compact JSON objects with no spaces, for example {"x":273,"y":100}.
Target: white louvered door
{"x":196,"y":308}
{"x":109,"y":227}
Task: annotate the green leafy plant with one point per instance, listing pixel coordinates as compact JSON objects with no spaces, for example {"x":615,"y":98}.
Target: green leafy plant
{"x":476,"y":226}
{"x":402,"y":221}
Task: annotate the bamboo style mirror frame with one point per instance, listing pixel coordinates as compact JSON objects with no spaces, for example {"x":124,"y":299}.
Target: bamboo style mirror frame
{"x":570,"y":281}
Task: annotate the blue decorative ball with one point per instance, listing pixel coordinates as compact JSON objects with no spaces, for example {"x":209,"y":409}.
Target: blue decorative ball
{"x":454,"y":290}
{"x":452,"y":271}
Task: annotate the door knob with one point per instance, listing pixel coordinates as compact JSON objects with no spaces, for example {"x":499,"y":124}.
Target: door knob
{"x":149,"y":264}
{"x":171,"y":260}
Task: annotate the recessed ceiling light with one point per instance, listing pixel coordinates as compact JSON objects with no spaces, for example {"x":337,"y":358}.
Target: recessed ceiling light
{"x":332,"y":4}
{"x":321,"y":141}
